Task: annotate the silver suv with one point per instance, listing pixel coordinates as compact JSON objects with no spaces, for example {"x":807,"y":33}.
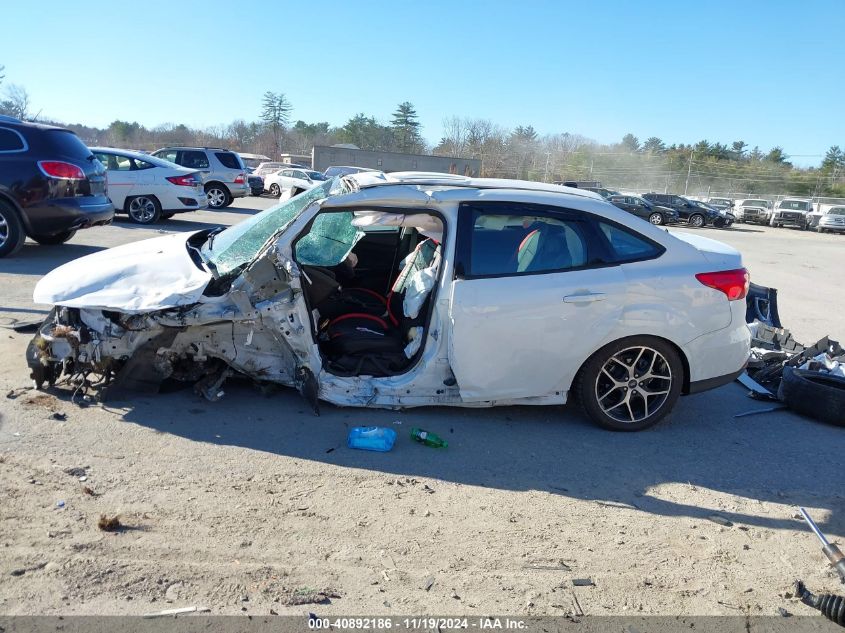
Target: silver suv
{"x":223,"y":172}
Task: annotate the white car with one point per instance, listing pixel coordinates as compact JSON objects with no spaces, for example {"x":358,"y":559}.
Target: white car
{"x":148,"y":188}
{"x":833,"y":220}
{"x":792,"y":212}
{"x":293,"y":180}
{"x":507,"y":293}
{"x":754,"y":210}
{"x":269,"y":167}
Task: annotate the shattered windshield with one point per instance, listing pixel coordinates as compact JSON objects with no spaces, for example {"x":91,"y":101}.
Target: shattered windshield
{"x":238,"y":245}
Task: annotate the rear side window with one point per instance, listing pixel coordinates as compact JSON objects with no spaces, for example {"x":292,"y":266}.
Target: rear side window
{"x":66,"y":143}
{"x":193,"y":159}
{"x":520,"y":244}
{"x":228,"y":160}
{"x":627,"y":246}
{"x":11,"y":141}
{"x":167,"y":154}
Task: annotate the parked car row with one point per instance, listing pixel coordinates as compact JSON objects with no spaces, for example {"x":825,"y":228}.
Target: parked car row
{"x":692,"y":212}
{"x":797,"y":213}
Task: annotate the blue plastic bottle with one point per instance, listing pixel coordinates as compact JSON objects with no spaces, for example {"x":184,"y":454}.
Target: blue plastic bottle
{"x":371,"y":438}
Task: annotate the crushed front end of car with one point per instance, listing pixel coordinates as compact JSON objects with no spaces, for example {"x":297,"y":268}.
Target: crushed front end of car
{"x":204,"y":343}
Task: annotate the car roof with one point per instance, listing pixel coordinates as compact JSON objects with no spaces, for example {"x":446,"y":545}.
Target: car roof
{"x":216,"y":149}
{"x":149,"y":158}
{"x":367,"y":180}
{"x":5,"y":119}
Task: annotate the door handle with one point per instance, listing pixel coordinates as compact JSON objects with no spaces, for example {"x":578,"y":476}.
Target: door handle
{"x":586,"y":297}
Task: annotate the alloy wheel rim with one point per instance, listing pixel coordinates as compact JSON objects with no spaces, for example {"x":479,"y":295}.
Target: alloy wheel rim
{"x":215,"y":197}
{"x":656,"y":218}
{"x":4,"y":230}
{"x":274,"y":190}
{"x":633,"y":384}
{"x":142,"y":209}
{"x":697,"y":220}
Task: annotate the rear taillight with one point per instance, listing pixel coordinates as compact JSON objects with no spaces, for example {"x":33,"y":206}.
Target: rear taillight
{"x":734,"y":283}
{"x":61,"y":169}
{"x":188,"y":180}
{"x":239,"y":179}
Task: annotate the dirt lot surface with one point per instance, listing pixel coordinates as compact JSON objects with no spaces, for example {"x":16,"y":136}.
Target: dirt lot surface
{"x":253,"y":504}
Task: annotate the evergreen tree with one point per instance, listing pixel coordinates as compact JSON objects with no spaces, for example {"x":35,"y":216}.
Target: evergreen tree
{"x":406,"y":128}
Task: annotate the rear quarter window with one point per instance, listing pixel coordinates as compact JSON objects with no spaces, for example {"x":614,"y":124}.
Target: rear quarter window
{"x":628,"y":246}
{"x":11,"y":141}
{"x":228,"y":160}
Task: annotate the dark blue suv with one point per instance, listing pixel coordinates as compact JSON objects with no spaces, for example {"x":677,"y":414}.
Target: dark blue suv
{"x":50,"y":185}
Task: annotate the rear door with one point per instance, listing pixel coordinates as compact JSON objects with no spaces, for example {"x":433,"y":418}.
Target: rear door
{"x":533,"y":297}
{"x":120,"y":177}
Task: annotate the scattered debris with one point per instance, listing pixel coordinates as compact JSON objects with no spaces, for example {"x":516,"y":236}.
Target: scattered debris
{"x":758,"y":411}
{"x":75,"y":472}
{"x":173,"y":589}
{"x":107,"y":524}
{"x":371,"y":438}
{"x":306,"y":595}
{"x":14,"y":393}
{"x":561,"y":566}
{"x":60,"y":503}
{"x":86,"y":490}
{"x":583,"y":582}
{"x":428,"y":438}
{"x":61,"y":417}
{"x":784,"y":613}
{"x":179,"y":611}
{"x":429,"y":583}
{"x":718,"y":518}
{"x":23,"y":570}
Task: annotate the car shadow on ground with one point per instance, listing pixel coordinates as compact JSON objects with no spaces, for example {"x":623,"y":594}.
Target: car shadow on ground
{"x":34,"y":259}
{"x":779,"y":457}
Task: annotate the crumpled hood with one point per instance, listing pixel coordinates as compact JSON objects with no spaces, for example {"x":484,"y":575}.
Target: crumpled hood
{"x":715,"y":252}
{"x":139,"y":277}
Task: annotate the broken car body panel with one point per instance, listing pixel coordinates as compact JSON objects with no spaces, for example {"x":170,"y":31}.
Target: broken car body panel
{"x":134,"y":278}
{"x":485,"y":341}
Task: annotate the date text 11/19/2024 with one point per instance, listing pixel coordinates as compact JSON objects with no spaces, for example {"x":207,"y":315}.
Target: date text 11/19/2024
{"x":410,"y":623}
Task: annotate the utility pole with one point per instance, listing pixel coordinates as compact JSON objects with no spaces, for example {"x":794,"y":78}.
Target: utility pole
{"x":689,"y":169}
{"x":546,"y":175}
{"x":591,"y":169}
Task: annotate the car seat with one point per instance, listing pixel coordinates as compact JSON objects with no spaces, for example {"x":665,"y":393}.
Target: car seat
{"x":374,"y":342}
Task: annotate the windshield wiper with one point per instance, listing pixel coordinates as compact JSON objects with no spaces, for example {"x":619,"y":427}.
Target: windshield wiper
{"x":211,"y":234}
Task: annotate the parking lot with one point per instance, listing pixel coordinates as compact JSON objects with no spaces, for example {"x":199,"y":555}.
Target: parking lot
{"x":253,"y":504}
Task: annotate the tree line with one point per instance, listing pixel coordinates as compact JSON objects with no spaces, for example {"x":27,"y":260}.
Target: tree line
{"x":519,"y":152}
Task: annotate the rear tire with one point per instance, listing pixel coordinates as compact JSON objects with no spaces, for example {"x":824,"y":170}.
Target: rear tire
{"x":275,"y":190}
{"x":143,"y":209}
{"x":630,"y":384}
{"x":52,"y":240}
{"x":218,"y":196}
{"x":696,"y":220}
{"x":12,"y":235}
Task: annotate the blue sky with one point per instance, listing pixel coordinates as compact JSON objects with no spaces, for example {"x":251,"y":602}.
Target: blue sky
{"x":767,"y":73}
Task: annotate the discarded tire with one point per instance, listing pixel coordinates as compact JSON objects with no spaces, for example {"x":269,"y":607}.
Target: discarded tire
{"x":814,"y":394}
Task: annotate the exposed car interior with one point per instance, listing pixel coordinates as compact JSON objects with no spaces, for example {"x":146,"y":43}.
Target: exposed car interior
{"x":369,"y":279}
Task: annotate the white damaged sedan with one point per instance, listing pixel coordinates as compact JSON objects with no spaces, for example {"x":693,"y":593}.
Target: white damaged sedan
{"x":412,"y":289}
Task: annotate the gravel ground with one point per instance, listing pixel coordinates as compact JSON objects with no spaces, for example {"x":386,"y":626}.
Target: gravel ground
{"x":252,"y":504}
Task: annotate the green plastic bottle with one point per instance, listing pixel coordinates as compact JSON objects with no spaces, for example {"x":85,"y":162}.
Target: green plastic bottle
{"x":428,"y":438}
